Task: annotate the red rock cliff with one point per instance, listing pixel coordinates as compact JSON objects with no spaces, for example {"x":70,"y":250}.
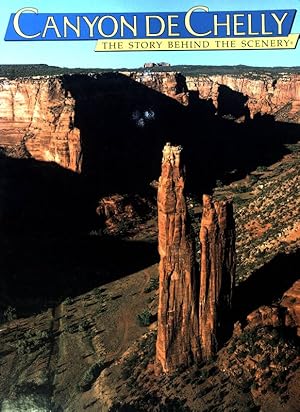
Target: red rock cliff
{"x":267,"y":94}
{"x":172,"y":84}
{"x":177,"y":339}
{"x":41,"y":112}
{"x":277,"y":95}
{"x":217,"y":271}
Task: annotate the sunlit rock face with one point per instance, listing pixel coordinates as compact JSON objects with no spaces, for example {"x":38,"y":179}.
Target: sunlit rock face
{"x":49,"y":115}
{"x":217,"y":272}
{"x":40,"y":113}
{"x":191,"y":322}
{"x":265,"y":94}
{"x":172,"y":84}
{"x":177,"y":339}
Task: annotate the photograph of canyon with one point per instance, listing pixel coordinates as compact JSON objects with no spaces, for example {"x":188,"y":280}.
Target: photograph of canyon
{"x":150,"y":239}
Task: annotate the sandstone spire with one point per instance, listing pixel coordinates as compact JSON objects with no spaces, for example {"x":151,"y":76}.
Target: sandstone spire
{"x":217,"y":271}
{"x":177,"y":340}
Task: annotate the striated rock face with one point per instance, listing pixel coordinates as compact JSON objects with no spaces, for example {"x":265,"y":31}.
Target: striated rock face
{"x":57,"y":118}
{"x":278,"y":96}
{"x":188,"y":318}
{"x":177,"y":339}
{"x":172,"y":84}
{"x":40,"y":113}
{"x":217,"y":271}
{"x":50,"y":117}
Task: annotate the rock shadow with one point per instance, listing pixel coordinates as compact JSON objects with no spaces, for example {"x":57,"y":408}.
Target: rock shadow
{"x":266,"y":285}
{"x":231,"y":102}
{"x":48,"y":251}
{"x":46,"y":212}
{"x":124,"y":125}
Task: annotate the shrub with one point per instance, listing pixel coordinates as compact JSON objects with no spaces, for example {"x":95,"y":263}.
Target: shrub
{"x":84,"y":325}
{"x":241,"y":189}
{"x":73,"y":328}
{"x":242,"y":354}
{"x":264,"y":363}
{"x":129,"y":366}
{"x":255,"y":350}
{"x":261,"y":169}
{"x":144,"y":318}
{"x":68,"y":301}
{"x":32,"y":341}
{"x":153,"y":285}
{"x":231,"y":349}
{"x":90,"y":376}
{"x":10,"y":314}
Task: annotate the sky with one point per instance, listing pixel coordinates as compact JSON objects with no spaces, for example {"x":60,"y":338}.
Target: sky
{"x":82,"y":54}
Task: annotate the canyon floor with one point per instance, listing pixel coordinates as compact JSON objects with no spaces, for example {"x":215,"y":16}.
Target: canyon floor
{"x":93,"y":348}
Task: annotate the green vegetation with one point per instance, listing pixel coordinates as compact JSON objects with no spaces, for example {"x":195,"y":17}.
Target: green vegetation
{"x":242,"y":189}
{"x":264,"y":363}
{"x":129,"y":365}
{"x":84,"y":325}
{"x":68,"y":301}
{"x":32,"y":340}
{"x":144,"y":318}
{"x":261,"y":169}
{"x":73,"y":328}
{"x":237,"y":200}
{"x":9,"y":314}
{"x":151,"y":402}
{"x":90,"y":376}
{"x":249,"y":71}
{"x":28,"y":70}
{"x":138,"y":360}
{"x":29,"y":396}
{"x":274,"y":352}
{"x":153,"y":285}
{"x":148,"y":347}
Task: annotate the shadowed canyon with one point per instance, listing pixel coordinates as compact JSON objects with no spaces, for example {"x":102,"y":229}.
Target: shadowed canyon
{"x":105,"y":306}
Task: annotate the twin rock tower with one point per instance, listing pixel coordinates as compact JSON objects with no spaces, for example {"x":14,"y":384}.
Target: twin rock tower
{"x":194,"y":300}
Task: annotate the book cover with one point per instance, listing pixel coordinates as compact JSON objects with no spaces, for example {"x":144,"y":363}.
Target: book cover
{"x":149,"y":206}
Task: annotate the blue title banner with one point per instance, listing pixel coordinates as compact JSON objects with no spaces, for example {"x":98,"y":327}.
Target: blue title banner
{"x":198,"y":22}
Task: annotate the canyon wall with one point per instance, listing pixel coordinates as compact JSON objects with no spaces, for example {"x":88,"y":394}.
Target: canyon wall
{"x":177,"y":336}
{"x":56,"y":118}
{"x":172,"y":84}
{"x":49,"y":115}
{"x":266,"y":94}
{"x":40,"y":113}
{"x":276,"y":95}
